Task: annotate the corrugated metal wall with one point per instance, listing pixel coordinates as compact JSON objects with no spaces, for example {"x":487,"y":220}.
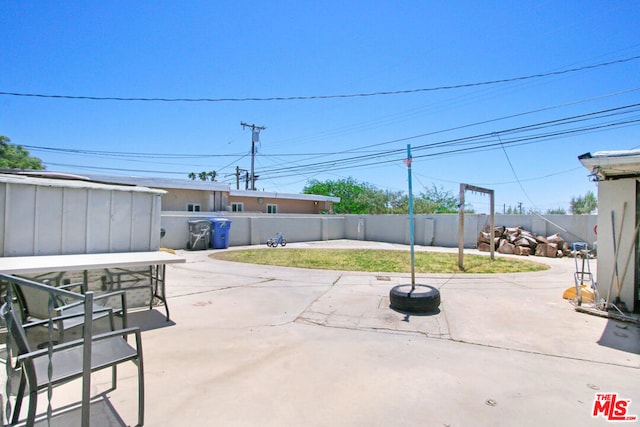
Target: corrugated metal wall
{"x":37,"y":218}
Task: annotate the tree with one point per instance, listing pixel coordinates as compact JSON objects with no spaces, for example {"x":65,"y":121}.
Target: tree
{"x":16,"y":157}
{"x":355,"y":197}
{"x":362,"y":198}
{"x":557,"y":211}
{"x":397,"y":202}
{"x":583,"y":204}
{"x":435,"y":200}
{"x":203,"y":176}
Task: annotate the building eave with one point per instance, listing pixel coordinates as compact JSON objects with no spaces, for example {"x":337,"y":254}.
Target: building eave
{"x":287,"y":196}
{"x":607,"y":165}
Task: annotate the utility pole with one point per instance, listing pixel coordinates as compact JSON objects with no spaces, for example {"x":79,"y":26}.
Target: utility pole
{"x":238,"y":176}
{"x":255,"y":137}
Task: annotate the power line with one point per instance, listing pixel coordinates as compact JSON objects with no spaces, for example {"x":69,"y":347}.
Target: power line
{"x":311,"y":97}
{"x":473,"y":143}
{"x":127,"y":154}
{"x":145,"y":155}
{"x":361,"y":149}
{"x":465,"y":146}
{"x":454,"y":142}
{"x":361,"y":161}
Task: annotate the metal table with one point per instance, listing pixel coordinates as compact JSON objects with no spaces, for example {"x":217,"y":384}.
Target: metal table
{"x":156,"y":261}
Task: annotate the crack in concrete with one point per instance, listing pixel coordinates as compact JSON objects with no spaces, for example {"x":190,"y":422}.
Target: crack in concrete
{"x":448,"y":337}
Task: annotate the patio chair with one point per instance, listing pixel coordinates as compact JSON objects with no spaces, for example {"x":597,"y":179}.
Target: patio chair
{"x":66,"y":361}
{"x":34,"y":299}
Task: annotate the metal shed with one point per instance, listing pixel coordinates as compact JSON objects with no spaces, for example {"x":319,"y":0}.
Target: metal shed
{"x":57,"y":215}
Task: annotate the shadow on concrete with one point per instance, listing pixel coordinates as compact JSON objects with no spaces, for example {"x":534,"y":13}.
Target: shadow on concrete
{"x":102,"y":414}
{"x":621,"y":336}
{"x":148,"y":320}
{"x":408,"y":315}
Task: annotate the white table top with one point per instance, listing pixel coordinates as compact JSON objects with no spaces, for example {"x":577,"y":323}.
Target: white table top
{"x":51,"y":263}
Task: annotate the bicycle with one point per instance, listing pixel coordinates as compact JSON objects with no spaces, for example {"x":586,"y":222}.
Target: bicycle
{"x":276,"y":240}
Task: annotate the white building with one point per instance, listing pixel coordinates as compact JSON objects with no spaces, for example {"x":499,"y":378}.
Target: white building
{"x":618,"y":176}
{"x":57,"y":214}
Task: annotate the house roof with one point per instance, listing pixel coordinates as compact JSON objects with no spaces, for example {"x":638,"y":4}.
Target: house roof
{"x":608,"y":165}
{"x":288,"y":196}
{"x":183,"y":184}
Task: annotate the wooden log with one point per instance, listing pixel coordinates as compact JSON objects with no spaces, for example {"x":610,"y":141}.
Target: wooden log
{"x":513,"y":230}
{"x":484,"y":237}
{"x":552,"y":250}
{"x":506,"y":247}
{"x":522,"y":250}
{"x":549,"y":250}
{"x":541,"y":249}
{"x":555,"y":238}
{"x":541,"y":239}
{"x":484,"y":247}
{"x":532,"y":240}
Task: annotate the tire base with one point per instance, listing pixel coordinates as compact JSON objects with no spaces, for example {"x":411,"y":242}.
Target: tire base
{"x":424,"y":299}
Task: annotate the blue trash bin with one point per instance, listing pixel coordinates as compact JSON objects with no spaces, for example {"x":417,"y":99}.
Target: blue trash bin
{"x":220,"y":234}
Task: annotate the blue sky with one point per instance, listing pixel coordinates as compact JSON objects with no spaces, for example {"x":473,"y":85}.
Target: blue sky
{"x":243,"y":49}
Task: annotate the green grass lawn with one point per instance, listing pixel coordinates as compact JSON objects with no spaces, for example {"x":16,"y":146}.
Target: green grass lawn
{"x":388,"y":261}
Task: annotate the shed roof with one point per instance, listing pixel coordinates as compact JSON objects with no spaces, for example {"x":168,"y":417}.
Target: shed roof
{"x":608,"y":165}
{"x":70,"y":181}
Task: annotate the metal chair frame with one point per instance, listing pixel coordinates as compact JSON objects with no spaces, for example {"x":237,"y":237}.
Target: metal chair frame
{"x":57,"y":364}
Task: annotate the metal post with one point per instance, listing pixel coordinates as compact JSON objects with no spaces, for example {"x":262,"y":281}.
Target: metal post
{"x":492,"y":223}
{"x":253,"y":158}
{"x":461,"y":229}
{"x":411,"y":239}
{"x":86,"y":359}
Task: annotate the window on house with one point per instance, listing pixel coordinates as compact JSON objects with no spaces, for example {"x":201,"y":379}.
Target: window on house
{"x":272,"y":209}
{"x":237,"y":207}
{"x":193,"y":207}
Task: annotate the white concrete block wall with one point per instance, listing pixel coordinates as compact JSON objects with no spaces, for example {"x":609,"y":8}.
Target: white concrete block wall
{"x":255,"y":229}
{"x":436,"y":230}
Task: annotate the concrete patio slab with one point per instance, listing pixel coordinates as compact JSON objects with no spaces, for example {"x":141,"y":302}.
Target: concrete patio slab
{"x":253,"y":345}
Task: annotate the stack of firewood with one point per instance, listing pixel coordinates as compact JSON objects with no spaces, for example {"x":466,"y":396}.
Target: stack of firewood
{"x":518,"y":241}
